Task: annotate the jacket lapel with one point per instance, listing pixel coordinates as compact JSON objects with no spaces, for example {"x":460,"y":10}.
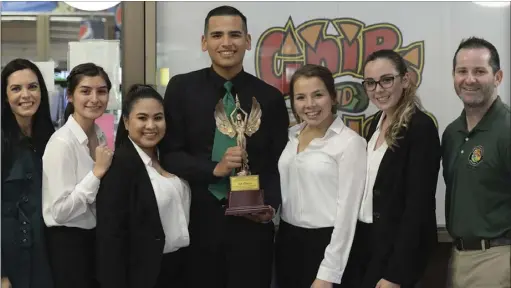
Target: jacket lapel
{"x":372,"y":127}
{"x":145,"y":191}
{"x":390,"y":155}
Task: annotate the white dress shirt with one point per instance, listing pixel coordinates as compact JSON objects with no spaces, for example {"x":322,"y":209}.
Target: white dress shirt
{"x":374,"y":157}
{"x":69,"y":186}
{"x":322,"y":186}
{"x":173,"y":199}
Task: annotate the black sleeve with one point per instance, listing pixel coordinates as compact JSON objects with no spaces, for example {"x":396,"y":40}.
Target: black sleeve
{"x":112,"y":228}
{"x":413,"y":243}
{"x":279,"y":136}
{"x":4,"y":148}
{"x":176,"y":159}
{"x":4,"y":274}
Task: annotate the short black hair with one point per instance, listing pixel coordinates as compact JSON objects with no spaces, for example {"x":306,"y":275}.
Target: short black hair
{"x":225,"y":11}
{"x":479,"y":43}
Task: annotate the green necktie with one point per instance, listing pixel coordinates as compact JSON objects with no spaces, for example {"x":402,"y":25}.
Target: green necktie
{"x":221,"y":143}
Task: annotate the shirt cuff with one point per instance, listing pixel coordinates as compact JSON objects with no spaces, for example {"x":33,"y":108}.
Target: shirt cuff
{"x":90,"y":185}
{"x":329,"y":275}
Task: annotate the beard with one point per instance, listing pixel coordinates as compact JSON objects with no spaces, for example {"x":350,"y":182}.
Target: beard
{"x":477,"y":100}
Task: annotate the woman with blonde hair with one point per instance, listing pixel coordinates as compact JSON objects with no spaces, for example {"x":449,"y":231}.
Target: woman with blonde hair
{"x":396,"y":231}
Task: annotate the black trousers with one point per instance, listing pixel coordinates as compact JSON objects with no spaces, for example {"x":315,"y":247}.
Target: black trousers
{"x":355,"y":273}
{"x":72,"y":256}
{"x":363,"y":270}
{"x":227,"y":251}
{"x":298,"y":255}
{"x":172,"y":270}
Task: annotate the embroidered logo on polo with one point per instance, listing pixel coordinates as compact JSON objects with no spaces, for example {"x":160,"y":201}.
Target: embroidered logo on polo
{"x":476,"y":156}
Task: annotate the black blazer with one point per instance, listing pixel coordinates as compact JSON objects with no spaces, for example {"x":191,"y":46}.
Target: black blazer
{"x":404,"y":220}
{"x":190,"y":101}
{"x":130,"y":237}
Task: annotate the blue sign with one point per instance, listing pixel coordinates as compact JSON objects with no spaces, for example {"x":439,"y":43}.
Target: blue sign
{"x":41,"y":6}
{"x":28,"y":6}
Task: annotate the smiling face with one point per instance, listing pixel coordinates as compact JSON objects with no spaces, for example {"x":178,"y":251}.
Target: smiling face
{"x":226,"y":42}
{"x":23,"y":93}
{"x":146,"y":123}
{"x":90,"y":98}
{"x":383,"y":84}
{"x":474,"y":81}
{"x":312,"y":102}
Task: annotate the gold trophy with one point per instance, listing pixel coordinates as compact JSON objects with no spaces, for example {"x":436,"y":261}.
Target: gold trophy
{"x":245,"y":195}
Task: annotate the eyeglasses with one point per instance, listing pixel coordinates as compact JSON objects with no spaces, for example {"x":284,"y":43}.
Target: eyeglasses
{"x":385,"y":82}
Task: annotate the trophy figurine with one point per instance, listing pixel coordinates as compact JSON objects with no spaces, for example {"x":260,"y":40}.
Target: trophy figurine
{"x":245,"y":195}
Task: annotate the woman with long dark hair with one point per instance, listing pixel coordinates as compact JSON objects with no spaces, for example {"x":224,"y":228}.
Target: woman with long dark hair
{"x":75,"y":160}
{"x":26,"y":128}
{"x":142,"y":210}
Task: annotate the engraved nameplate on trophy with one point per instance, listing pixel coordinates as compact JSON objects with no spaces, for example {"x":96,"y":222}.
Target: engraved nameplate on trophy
{"x":245,"y":195}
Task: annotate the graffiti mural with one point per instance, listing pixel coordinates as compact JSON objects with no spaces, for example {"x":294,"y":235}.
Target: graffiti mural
{"x":340,"y":44}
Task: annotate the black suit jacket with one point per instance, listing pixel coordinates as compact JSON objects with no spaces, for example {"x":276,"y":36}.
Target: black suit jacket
{"x":190,"y":101}
{"x":404,"y":220}
{"x":130,"y":237}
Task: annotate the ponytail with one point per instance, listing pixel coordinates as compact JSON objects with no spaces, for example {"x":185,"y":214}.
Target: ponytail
{"x":75,"y":77}
{"x":70,"y":109}
{"x":122,"y":133}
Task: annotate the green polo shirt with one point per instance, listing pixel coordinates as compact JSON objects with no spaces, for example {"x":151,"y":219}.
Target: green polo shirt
{"x":477,"y":174}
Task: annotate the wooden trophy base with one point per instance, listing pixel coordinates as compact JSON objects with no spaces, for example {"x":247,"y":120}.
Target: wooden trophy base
{"x":246,"y":202}
{"x":245,"y":196}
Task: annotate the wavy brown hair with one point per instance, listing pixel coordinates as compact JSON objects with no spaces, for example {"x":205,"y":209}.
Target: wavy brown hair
{"x":408,"y":102}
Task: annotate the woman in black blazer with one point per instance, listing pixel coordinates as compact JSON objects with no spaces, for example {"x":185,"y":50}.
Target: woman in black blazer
{"x":142,"y":210}
{"x":396,"y":231}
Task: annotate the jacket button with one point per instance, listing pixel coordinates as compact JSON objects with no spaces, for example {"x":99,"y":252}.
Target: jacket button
{"x":29,"y":176}
{"x":376,"y":215}
{"x":376,"y":192}
{"x":25,"y":199}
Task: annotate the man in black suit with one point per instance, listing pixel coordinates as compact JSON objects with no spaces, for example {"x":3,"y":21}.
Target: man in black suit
{"x":225,"y":251}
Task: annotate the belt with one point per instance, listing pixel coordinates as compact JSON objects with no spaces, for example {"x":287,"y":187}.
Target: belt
{"x":480,"y":244}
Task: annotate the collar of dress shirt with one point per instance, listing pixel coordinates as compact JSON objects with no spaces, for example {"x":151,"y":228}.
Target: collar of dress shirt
{"x":336,"y":127}
{"x":80,"y":134}
{"x":237,"y":81}
{"x":145,"y":158}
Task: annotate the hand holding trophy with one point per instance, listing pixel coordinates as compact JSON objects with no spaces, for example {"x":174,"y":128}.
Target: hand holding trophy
{"x":245,"y":196}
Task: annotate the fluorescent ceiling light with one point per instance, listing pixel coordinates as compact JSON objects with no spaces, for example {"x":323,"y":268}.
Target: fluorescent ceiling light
{"x":92,"y":5}
{"x":66,"y":19}
{"x":18,"y":18}
{"x":494,"y":4}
